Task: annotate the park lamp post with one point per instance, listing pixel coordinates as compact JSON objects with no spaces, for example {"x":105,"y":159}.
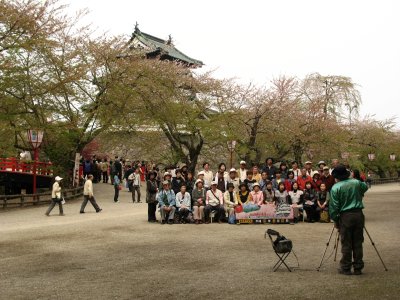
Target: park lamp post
{"x":392,"y":157}
{"x":231,"y":148}
{"x":35,"y":138}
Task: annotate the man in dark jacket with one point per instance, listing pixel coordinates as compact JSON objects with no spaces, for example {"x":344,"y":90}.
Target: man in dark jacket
{"x":269,"y":168}
{"x":345,"y":209}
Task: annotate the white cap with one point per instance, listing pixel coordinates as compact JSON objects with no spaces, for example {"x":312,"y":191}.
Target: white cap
{"x":315,"y":173}
{"x":308,"y":162}
{"x":198,"y":180}
{"x":167,"y":174}
{"x":201,"y":173}
{"x":256,"y":184}
{"x":242,"y":162}
{"x":58,"y":178}
{"x":232,"y":170}
{"x":214,"y":183}
{"x":321,"y":163}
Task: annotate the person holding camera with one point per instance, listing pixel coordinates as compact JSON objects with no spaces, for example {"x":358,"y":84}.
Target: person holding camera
{"x":345,"y":209}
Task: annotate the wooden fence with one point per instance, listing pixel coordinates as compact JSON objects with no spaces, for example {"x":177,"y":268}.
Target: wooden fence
{"x":385,"y":180}
{"x":21,"y":200}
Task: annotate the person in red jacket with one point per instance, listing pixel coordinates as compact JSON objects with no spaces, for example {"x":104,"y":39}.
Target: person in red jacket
{"x":316,"y":181}
{"x":327,"y":178}
{"x":289,"y":181}
{"x":301,"y":180}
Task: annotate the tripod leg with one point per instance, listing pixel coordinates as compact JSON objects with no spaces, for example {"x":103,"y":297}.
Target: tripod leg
{"x":336,"y":244}
{"x":373,"y":244}
{"x":327,"y":245}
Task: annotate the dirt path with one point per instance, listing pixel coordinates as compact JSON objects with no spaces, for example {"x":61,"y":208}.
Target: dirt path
{"x":118,"y":255}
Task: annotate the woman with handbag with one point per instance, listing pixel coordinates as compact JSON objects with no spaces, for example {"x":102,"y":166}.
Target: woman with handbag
{"x":56,"y":197}
{"x":117,"y":187}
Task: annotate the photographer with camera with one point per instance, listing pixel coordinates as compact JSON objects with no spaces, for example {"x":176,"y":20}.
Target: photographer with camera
{"x":345,"y":209}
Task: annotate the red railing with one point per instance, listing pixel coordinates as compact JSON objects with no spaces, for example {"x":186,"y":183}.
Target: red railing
{"x":13,"y":164}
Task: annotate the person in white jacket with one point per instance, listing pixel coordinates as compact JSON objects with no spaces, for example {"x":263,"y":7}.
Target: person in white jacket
{"x":183,"y":204}
{"x":56,"y":197}
{"x":88,"y":195}
{"x":230,"y":199}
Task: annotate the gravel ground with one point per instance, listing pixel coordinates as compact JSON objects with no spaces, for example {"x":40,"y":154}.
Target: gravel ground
{"x":116,"y":254}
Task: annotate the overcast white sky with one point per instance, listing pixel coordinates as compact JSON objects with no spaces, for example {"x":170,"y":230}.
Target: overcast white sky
{"x":258,"y":40}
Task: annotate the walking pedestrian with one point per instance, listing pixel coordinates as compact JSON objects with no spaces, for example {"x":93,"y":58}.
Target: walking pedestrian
{"x":345,"y":209}
{"x":89,"y":196}
{"x":117,"y":187}
{"x":56,"y":197}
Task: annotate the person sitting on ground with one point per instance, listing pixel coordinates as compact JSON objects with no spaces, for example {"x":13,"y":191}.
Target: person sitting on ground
{"x":310,"y":203}
{"x":230,"y":199}
{"x":177,"y":181}
{"x":316,"y":181}
{"x":249,"y":181}
{"x":322,"y":199}
{"x":301,"y":181}
{"x":256,"y":195}
{"x":243,"y":195}
{"x":214,"y":202}
{"x":327,"y":179}
{"x":198,"y":201}
{"x":277,"y":180}
{"x":296,"y":197}
{"x":151,"y":197}
{"x":289,"y":181}
{"x":166,"y":200}
{"x":183,"y":204}
{"x":269,"y":194}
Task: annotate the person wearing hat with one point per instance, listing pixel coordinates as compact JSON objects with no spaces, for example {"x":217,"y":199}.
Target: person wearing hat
{"x":166,"y":200}
{"x":321,"y":165}
{"x":327,"y":178}
{"x":316,"y":181}
{"x":242,"y":171}
{"x":56,"y":197}
{"x":198,"y":201}
{"x":308,"y":167}
{"x":270,"y":168}
{"x":167,"y":177}
{"x":256,"y":195}
{"x":151,"y":197}
{"x":230,"y":199}
{"x":89,"y":196}
{"x":233,"y":179}
{"x":214,"y":202}
{"x":345,"y":209}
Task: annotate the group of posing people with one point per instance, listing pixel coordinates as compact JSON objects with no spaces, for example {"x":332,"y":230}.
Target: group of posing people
{"x":228,"y":192}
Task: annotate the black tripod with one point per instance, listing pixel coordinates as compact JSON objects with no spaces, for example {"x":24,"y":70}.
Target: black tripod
{"x":337,"y":245}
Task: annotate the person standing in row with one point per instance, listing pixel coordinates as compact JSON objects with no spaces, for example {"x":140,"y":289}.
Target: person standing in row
{"x":208,"y":176}
{"x":151,"y":197}
{"x":242,"y":173}
{"x":89,"y":196}
{"x":104,"y":169}
{"x":56,"y":197}
{"x":345,"y":209}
